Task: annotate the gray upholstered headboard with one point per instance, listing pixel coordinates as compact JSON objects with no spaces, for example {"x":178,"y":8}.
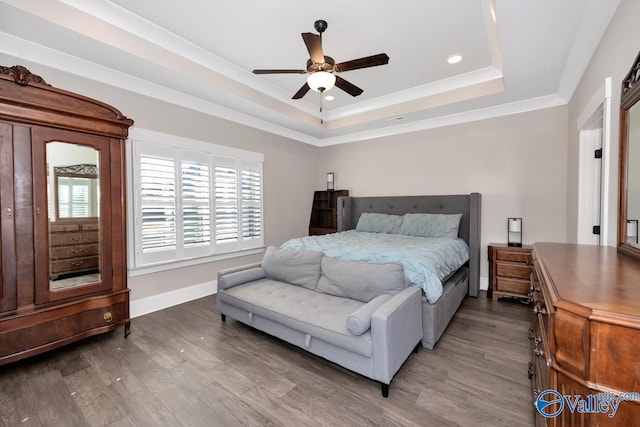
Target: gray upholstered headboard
{"x":350,"y":208}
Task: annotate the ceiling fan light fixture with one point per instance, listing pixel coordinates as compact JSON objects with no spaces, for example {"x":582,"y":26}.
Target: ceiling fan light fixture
{"x":321,"y":81}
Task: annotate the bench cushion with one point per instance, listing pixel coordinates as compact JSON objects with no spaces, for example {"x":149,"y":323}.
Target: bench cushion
{"x":320,"y":315}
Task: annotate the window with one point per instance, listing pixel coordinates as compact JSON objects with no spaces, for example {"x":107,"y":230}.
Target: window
{"x":193,"y":199}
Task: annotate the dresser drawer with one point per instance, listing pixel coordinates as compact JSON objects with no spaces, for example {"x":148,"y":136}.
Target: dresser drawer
{"x":81,"y":237}
{"x":64,"y":252}
{"x":63,"y":228}
{"x":74,"y":264}
{"x":513,"y":270}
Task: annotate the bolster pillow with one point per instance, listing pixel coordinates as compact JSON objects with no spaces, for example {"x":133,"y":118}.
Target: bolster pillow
{"x":239,"y":277}
{"x":359,"y":321}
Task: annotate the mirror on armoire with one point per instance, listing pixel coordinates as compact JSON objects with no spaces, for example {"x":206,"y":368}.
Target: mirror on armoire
{"x":73,"y":204}
{"x":629,"y":212}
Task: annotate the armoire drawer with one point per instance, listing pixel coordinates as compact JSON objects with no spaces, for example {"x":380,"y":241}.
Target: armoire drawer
{"x":58,"y":325}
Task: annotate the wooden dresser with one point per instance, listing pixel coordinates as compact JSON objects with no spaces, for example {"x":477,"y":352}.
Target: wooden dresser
{"x":74,"y":246}
{"x":585,"y":330}
{"x":509,"y":271}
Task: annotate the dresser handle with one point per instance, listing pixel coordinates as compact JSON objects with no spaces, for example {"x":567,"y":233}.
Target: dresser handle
{"x":537,"y":310}
{"x":108,"y":317}
{"x":77,"y":264}
{"x":9,"y":213}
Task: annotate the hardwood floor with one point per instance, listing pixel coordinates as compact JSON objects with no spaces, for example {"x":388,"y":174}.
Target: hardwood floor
{"x":183,"y":366}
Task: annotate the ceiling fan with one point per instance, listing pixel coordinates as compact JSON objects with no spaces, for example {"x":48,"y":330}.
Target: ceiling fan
{"x":321,"y":69}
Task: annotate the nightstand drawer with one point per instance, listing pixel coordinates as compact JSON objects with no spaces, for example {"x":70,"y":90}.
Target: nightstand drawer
{"x":506,"y":255}
{"x":517,"y":271}
{"x":516,"y":286}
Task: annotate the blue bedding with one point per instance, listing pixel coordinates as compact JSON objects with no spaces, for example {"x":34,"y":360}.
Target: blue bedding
{"x":427,"y":261}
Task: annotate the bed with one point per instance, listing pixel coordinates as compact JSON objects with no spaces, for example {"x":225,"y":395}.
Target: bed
{"x":438,"y":307}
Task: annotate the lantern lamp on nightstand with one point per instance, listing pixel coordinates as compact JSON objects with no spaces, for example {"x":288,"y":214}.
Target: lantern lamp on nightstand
{"x":514,"y":232}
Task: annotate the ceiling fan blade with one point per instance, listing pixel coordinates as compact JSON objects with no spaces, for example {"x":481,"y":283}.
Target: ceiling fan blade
{"x":279,"y":71}
{"x":368,"y":61}
{"x":302,"y":92}
{"x":350,"y":88}
{"x":314,"y":46}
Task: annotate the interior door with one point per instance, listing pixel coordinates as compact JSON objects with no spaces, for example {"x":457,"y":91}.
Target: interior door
{"x":590,"y":186}
{"x":72,"y":208}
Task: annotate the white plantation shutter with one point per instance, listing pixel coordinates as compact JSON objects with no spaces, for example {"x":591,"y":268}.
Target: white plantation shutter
{"x":74,"y":197}
{"x":192,"y":202}
{"x":196,"y":203}
{"x":226,"y":203}
{"x":157,"y":197}
{"x":251,"y":204}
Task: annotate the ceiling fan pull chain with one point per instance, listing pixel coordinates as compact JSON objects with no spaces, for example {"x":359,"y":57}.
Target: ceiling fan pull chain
{"x":321,"y":121}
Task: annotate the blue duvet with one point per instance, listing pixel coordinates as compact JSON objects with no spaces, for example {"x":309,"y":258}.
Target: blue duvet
{"x":427,"y":261}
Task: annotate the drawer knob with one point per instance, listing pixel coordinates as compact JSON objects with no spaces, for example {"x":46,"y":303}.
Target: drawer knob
{"x":108,"y":317}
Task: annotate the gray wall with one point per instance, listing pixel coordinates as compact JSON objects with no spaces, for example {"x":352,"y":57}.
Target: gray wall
{"x":517,"y":162}
{"x":289,"y":168}
{"x":613,"y":58}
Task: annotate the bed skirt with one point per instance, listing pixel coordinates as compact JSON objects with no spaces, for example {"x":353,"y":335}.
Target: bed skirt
{"x":436,"y":317}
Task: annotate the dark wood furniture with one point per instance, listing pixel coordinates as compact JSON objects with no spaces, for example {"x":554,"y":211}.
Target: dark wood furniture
{"x":509,"y":271}
{"x":36,"y":315}
{"x":585,"y":329}
{"x":74,"y":246}
{"x":324,"y":216}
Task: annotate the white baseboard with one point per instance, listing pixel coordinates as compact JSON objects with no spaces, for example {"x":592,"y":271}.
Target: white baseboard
{"x":169,"y":299}
{"x":484,"y":283}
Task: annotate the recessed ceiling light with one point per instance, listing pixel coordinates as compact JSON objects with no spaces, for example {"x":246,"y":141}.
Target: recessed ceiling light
{"x":454,"y":59}
{"x":329,"y":98}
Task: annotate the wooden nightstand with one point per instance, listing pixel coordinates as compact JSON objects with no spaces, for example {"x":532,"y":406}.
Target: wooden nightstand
{"x":509,"y":271}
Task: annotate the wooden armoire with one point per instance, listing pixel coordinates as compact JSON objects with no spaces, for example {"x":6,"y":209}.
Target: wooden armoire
{"x":63,"y":272}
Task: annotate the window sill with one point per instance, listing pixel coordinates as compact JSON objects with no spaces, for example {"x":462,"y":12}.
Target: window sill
{"x":156,"y":268}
